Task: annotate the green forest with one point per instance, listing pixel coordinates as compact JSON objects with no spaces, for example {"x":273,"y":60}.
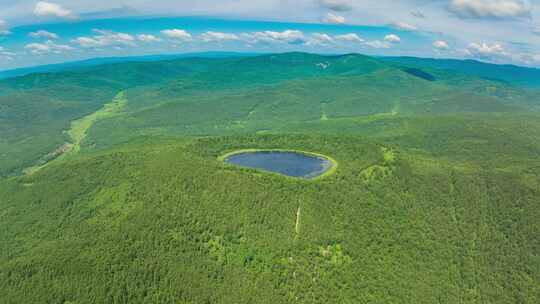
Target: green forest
{"x":112,"y":189}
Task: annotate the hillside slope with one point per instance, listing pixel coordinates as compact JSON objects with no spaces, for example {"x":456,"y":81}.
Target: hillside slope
{"x":165,"y":221}
{"x":516,"y":75}
{"x":213,"y":96}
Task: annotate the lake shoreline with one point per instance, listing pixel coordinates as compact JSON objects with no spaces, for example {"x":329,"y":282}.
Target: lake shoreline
{"x":329,"y":166}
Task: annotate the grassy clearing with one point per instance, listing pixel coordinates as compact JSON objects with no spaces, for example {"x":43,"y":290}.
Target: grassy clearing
{"x":78,"y":131}
{"x":382,"y":170}
{"x":80,"y":127}
{"x":324,"y":117}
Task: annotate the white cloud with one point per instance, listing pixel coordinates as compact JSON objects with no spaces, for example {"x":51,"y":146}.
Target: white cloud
{"x":218,"y":36}
{"x":288,"y":36}
{"x":105,"y":38}
{"x":501,"y":9}
{"x":349,"y":38}
{"x":48,"y":47}
{"x":48,"y":9}
{"x":177,"y":34}
{"x":5,"y":55}
{"x":377,"y":44}
{"x":43,"y":34}
{"x":337,"y":5}
{"x":497,"y":52}
{"x":319,"y":39}
{"x":441,"y":45}
{"x":148,"y":38}
{"x":334,"y":19}
{"x":486,"y":50}
{"x":529,"y":59}
{"x":403,"y":26}
{"x":87,"y":42}
{"x":392,"y":38}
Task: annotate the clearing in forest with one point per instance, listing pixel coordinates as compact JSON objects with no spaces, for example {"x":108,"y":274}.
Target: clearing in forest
{"x":78,"y":131}
{"x":80,"y":127}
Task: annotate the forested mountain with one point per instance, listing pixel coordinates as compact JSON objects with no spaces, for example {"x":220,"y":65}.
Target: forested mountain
{"x":517,"y":75}
{"x":112,"y":191}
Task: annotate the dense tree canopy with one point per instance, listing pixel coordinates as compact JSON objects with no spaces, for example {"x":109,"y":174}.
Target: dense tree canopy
{"x":435,"y":200}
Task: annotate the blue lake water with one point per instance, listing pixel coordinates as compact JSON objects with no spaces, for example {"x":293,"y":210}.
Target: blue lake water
{"x":286,"y":163}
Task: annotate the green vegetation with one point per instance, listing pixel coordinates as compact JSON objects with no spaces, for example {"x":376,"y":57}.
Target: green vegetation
{"x":80,"y":127}
{"x":382,"y":170}
{"x":435,"y":199}
{"x":529,"y":77}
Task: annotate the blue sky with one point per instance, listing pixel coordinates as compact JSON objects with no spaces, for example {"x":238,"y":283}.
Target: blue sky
{"x":42,"y":32}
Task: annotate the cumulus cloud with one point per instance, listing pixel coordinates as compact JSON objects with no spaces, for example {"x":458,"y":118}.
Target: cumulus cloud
{"x":49,"y":9}
{"x":403,"y":26}
{"x":377,"y":44}
{"x":498,"y":9}
{"x":392,"y":38}
{"x":332,"y":18}
{"x":319,"y":39}
{"x":441,"y":45}
{"x":48,"y":47}
{"x":148,"y":38}
{"x":288,"y":36}
{"x":43,"y":34}
{"x":497,"y":52}
{"x":388,"y":41}
{"x":486,"y":51}
{"x":530,"y":59}
{"x":218,"y":37}
{"x":105,"y":38}
{"x":337,"y":5}
{"x":87,"y":42}
{"x":352,"y":37}
{"x":177,"y":34}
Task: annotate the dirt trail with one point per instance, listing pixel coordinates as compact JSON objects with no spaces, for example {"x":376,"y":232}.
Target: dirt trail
{"x":297,"y":226}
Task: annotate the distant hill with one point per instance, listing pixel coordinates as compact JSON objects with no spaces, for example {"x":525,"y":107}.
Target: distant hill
{"x":108,"y":60}
{"x":516,"y":75}
{"x":512,"y":74}
{"x":225,"y":93}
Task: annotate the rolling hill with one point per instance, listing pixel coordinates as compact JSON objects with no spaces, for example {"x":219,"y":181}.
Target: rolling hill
{"x":516,"y":75}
